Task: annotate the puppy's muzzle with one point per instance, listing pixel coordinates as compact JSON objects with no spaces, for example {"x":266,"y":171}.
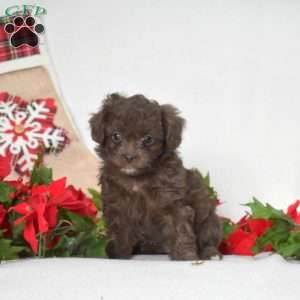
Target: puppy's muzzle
{"x":129,"y":157}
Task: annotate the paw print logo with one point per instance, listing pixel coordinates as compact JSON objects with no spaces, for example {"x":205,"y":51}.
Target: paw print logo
{"x":24,"y":31}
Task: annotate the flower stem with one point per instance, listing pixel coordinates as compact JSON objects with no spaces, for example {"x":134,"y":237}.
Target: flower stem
{"x":40,"y":245}
{"x":44,"y":244}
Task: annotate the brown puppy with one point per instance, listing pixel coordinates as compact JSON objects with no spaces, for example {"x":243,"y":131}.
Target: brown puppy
{"x":151,"y":203}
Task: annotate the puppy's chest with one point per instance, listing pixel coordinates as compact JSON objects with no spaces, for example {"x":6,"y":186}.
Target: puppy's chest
{"x":136,"y":188}
{"x":143,"y":203}
{"x":142,"y":193}
{"x":140,"y":188}
{"x":152,"y":196}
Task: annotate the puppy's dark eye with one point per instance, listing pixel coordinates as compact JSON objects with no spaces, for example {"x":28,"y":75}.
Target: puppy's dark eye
{"x":147,"y":140}
{"x":116,"y":138}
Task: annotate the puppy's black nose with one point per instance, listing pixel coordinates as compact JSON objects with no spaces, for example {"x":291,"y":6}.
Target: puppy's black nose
{"x":129,"y":157}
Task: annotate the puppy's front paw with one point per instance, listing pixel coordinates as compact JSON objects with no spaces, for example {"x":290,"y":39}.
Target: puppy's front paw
{"x":209,"y":253}
{"x":115,"y":251}
{"x":185,"y":256}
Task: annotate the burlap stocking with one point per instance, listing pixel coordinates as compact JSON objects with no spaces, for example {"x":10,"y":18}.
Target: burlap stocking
{"x":75,"y":162}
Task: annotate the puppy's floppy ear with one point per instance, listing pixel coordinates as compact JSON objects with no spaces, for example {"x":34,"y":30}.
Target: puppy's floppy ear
{"x":173,"y":126}
{"x":97,"y":121}
{"x":97,"y":127}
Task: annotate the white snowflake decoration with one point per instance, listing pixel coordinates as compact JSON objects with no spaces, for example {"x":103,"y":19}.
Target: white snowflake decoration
{"x":25,"y":128}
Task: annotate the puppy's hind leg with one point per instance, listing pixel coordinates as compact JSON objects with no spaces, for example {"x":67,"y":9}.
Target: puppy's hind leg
{"x":207,"y":225}
{"x":182,"y":241}
{"x":209,"y":236}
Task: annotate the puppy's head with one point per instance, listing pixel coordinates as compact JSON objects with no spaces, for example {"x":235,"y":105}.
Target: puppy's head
{"x":133,"y":132}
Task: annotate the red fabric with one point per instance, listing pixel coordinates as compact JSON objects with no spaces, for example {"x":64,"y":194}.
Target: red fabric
{"x":38,"y":126}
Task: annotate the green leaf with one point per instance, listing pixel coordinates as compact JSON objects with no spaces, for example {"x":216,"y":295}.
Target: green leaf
{"x":84,"y":239}
{"x":82,"y":244}
{"x":278,"y":236}
{"x":41,"y":175}
{"x":5,"y":191}
{"x":261,"y":211}
{"x":96,"y":248}
{"x":206,"y":181}
{"x":96,"y":197}
{"x":17,"y":231}
{"x":89,"y":244}
{"x":8,"y":251}
{"x":61,"y":228}
{"x":80,"y":223}
{"x":101,"y":226}
{"x":228,"y":227}
{"x":62,"y":248}
{"x":290,"y":248}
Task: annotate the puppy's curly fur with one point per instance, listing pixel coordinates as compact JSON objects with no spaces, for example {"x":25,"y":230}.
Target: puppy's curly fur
{"x":151,"y":203}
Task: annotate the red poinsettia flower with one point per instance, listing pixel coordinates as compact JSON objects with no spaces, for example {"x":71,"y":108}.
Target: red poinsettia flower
{"x":5,"y":166}
{"x":293,"y":213}
{"x":242,"y":240}
{"x":256,"y":226}
{"x":21,"y":189}
{"x":40,"y":209}
{"x":218,"y":202}
{"x":2,"y":214}
{"x":33,"y":216}
{"x":4,"y":224}
{"x":68,"y":198}
{"x":79,"y":203}
{"x":239,"y":242}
